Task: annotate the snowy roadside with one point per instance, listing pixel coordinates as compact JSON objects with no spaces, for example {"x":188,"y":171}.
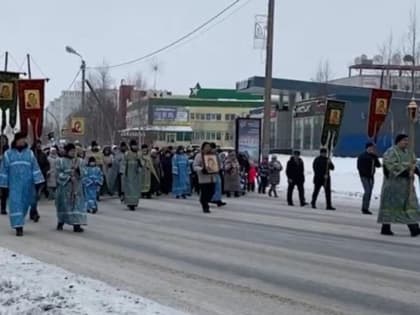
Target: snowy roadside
{"x":30,"y":287}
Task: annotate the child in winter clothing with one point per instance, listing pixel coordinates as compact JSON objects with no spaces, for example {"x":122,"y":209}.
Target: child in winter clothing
{"x":92,"y":182}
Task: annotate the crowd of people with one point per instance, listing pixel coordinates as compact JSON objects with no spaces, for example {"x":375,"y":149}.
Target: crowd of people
{"x":76,"y":178}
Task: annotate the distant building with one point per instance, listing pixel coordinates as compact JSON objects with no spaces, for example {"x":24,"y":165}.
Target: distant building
{"x":62,"y":107}
{"x":300,"y":115}
{"x":204,"y":115}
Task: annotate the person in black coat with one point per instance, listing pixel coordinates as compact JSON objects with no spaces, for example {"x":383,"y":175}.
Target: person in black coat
{"x":367,"y":163}
{"x":166,"y":166}
{"x":4,"y":192}
{"x":295,"y":171}
{"x":322,"y":166}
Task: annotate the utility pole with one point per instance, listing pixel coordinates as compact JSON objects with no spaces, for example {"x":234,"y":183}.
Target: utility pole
{"x":83,"y":68}
{"x":268,"y":79}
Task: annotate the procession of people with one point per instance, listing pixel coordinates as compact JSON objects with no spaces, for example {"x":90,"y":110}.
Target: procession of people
{"x":76,"y":178}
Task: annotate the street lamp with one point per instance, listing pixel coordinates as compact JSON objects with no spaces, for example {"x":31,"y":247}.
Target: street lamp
{"x":72,"y":51}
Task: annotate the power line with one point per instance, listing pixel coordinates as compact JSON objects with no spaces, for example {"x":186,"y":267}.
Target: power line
{"x":174,"y":43}
{"x":74,"y":80}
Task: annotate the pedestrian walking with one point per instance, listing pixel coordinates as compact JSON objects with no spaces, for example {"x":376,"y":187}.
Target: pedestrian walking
{"x":180,"y":174}
{"x":252,"y":176}
{"x":218,"y":186}
{"x":147,"y":171}
{"x":295,"y":171}
{"x":399,"y":204}
{"x":131,"y":176}
{"x":263,"y":173}
{"x":110,"y":172}
{"x":92,"y":183}
{"x":21,"y":175}
{"x":44,"y":166}
{"x":4,"y":192}
{"x":232,"y":176}
{"x":206,"y":179}
{"x":52,"y":174}
{"x":70,"y":200}
{"x":166,"y":166}
{"x":367,"y":163}
{"x":274,"y":170}
{"x":322,"y":166}
{"x":156,"y":180}
{"x":119,"y":153}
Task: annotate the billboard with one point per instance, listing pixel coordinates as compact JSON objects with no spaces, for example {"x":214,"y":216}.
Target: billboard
{"x":248,"y":137}
{"x":170,"y":114}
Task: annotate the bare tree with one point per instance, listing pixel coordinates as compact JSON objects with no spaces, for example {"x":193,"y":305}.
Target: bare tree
{"x":137,"y":80}
{"x":323,"y":74}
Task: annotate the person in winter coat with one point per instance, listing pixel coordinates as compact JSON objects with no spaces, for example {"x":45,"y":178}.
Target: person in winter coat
{"x":92,"y":182}
{"x":44,"y":165}
{"x":252,"y":176}
{"x":263,"y":172}
{"x":232,"y":177}
{"x":4,"y":146}
{"x":367,"y":163}
{"x":322,"y":166}
{"x":52,"y":174}
{"x":295,"y":171}
{"x":205,"y":179}
{"x":274,"y":168}
{"x":167,"y":177}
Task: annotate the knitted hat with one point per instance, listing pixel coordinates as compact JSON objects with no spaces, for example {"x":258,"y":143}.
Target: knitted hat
{"x":400,"y":137}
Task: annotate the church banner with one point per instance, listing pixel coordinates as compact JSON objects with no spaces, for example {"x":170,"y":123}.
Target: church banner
{"x":332,"y":123}
{"x":380,"y":103}
{"x":8,"y":98}
{"x":31,"y":105}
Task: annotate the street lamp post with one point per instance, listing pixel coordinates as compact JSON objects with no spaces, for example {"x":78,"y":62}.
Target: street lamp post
{"x":72,"y":51}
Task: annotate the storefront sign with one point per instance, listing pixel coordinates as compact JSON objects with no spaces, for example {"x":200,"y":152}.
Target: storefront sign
{"x":165,"y":114}
{"x":248,"y":137}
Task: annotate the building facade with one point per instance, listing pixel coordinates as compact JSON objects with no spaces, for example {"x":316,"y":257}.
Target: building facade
{"x":205,"y":115}
{"x":300,"y":119}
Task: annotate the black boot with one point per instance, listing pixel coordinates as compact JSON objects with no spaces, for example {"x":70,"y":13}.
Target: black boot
{"x":221,"y":204}
{"x":414,"y":230}
{"x":77,"y":228}
{"x":132,"y":208}
{"x":60,"y":226}
{"x":3,"y":212}
{"x":386,"y":230}
{"x":19,"y":231}
{"x":366,"y":212}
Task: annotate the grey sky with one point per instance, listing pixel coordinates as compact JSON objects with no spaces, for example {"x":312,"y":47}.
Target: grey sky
{"x":306,"y":32}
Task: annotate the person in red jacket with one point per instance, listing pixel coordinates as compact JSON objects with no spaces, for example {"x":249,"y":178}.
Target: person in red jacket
{"x":252,"y":176}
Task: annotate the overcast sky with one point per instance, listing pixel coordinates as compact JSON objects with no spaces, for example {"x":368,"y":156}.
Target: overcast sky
{"x":306,"y":31}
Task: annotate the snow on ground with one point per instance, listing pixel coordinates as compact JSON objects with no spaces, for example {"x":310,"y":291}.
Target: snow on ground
{"x":345,"y":179}
{"x":30,"y":287}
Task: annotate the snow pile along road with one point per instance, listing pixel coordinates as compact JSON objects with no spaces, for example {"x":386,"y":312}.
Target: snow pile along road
{"x":30,"y":287}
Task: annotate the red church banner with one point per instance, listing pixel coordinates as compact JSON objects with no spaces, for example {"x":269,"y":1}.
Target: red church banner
{"x":31,"y":105}
{"x":380,"y":103}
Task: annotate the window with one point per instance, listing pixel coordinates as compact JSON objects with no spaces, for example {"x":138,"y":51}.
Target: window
{"x":213,"y":136}
{"x":218,"y":135}
{"x":208,"y":135}
{"x":202,"y":117}
{"x":208,"y":116}
{"x":219,"y":116}
{"x":227,"y":136}
{"x":187,"y":136}
{"x":192,"y":116}
{"x":227,"y":116}
{"x":213,"y":116}
{"x":202,"y":135}
{"x":179,"y":136}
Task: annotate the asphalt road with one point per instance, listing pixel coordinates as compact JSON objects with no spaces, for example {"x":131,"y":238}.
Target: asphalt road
{"x":255,"y":256}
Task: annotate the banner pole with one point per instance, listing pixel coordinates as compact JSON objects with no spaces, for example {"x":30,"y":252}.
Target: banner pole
{"x":29,"y":66}
{"x":6,"y":60}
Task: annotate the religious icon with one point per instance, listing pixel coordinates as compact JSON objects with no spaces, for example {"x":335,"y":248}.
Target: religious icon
{"x":211,"y":164}
{"x":381,"y":106}
{"x":78,"y":126}
{"x":6,"y":91}
{"x":32,"y":99}
{"x":334,"y":117}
